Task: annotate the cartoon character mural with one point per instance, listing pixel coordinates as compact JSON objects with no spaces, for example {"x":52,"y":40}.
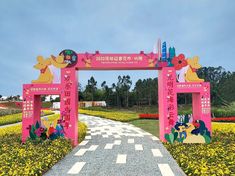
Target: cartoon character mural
{"x":88,"y":59}
{"x":186,"y":68}
{"x":46,"y":76}
{"x":191,"y":74}
{"x":46,"y":130}
{"x":186,"y":132}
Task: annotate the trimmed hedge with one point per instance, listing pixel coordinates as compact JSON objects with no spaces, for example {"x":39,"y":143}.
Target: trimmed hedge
{"x":4,"y":112}
{"x":226,"y":112}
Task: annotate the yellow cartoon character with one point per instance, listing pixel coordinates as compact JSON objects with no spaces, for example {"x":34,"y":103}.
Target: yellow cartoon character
{"x":46,"y":76}
{"x":191,"y":74}
{"x":45,"y":73}
{"x":58,"y":61}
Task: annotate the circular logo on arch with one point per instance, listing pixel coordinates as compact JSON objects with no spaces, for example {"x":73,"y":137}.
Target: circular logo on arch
{"x":70,"y":57}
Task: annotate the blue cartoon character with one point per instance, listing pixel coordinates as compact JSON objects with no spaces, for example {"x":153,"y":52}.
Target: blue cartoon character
{"x":181,"y":129}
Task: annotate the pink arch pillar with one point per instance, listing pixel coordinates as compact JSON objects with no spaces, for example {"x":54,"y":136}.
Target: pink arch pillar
{"x":69,"y":103}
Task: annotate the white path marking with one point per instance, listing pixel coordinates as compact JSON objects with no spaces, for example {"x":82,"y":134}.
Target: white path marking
{"x":117,"y":136}
{"x":76,"y":168}
{"x":105,"y":136}
{"x":130,"y":141}
{"x":117,"y":142}
{"x":81,"y":152}
{"x":83,"y":143}
{"x":121,"y":159}
{"x":93,"y":148}
{"x":155,"y":138}
{"x":138,"y":147}
{"x":156,"y":152}
{"x":108,"y":146}
{"x":165,"y":170}
{"x":147,"y":134}
{"x":88,"y":137}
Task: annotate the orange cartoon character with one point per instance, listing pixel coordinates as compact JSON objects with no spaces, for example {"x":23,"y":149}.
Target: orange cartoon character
{"x":87,"y":62}
{"x":151,"y":62}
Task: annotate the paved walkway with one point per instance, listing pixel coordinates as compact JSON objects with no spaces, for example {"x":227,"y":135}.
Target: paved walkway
{"x":114,"y":148}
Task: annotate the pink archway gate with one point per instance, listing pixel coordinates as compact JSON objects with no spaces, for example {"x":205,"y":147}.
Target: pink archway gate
{"x":68,"y":91}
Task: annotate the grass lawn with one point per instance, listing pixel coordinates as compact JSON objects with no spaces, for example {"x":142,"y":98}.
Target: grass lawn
{"x":149,"y":125}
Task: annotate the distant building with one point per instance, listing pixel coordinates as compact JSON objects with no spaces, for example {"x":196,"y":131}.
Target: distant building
{"x":56,"y":105}
{"x":51,"y":97}
{"x":3,"y":98}
{"x":92,"y":103}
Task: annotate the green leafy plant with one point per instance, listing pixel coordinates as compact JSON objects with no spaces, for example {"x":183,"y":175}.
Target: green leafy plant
{"x":171,"y":137}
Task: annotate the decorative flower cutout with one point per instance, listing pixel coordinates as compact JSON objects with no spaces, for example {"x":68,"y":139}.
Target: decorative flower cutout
{"x":179,"y":62}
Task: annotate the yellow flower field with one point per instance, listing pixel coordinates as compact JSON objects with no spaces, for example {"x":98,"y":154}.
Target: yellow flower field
{"x":14,"y":118}
{"x":32,"y":158}
{"x":118,"y":116}
{"x":225,"y":127}
{"x":216,"y":158}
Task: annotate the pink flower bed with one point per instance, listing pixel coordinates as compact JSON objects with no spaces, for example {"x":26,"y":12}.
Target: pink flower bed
{"x":227,"y":119}
{"x":148,"y":116}
{"x":217,"y":119}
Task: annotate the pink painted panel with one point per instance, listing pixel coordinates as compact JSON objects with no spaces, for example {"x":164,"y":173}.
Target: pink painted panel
{"x":117,"y":61}
{"x":189,"y":87}
{"x":167,"y":100}
{"x":206,"y":105}
{"x":31,"y":106}
{"x":28,"y":110}
{"x":200,"y":100}
{"x":43,"y":89}
{"x":69,"y":104}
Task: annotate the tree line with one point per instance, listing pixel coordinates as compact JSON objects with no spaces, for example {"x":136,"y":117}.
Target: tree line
{"x":145,"y":91}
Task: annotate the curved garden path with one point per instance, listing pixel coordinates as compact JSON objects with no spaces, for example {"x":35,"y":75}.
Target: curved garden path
{"x":114,"y":148}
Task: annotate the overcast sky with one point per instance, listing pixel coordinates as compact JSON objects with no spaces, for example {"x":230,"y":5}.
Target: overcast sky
{"x":30,"y":28}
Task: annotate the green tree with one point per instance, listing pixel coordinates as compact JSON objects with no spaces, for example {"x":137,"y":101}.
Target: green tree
{"x":227,"y":88}
{"x":43,"y":98}
{"x":125,"y":86}
{"x":91,"y":87}
{"x":107,"y":93}
{"x":80,"y":92}
{"x":216,"y":76}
